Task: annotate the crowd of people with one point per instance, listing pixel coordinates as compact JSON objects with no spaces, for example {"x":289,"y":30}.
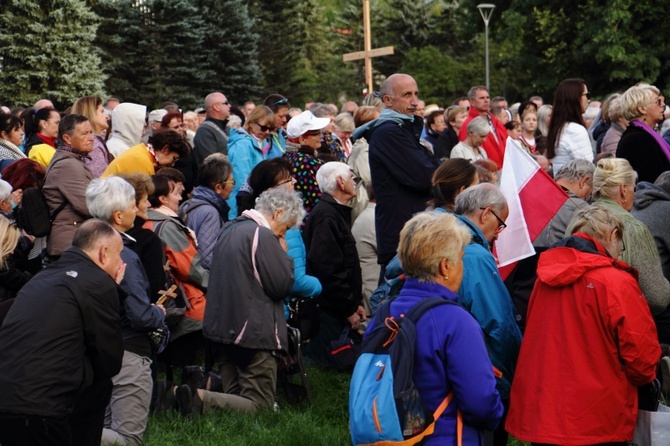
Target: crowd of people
{"x":177,"y":240}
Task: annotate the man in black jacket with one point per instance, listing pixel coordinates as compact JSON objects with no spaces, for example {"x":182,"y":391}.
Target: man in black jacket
{"x":332,"y":256}
{"x":61,"y":344}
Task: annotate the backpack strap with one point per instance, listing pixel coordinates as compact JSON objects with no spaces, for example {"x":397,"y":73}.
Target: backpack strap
{"x":419,"y":309}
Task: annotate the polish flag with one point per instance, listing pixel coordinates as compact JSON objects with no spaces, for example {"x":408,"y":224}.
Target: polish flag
{"x":533,"y":198}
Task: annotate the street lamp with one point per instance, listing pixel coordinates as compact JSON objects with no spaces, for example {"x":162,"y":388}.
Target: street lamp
{"x":486,"y":9}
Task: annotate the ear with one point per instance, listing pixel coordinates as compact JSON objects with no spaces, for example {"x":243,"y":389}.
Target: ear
{"x":484,"y":215}
{"x":102,"y":255}
{"x":583,"y":181}
{"x":4,"y":135}
{"x":66,"y":139}
{"x":642,"y":109}
{"x":277,"y":214}
{"x":117,"y":217}
{"x":443,"y":268}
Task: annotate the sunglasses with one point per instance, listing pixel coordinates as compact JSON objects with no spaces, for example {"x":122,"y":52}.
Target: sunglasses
{"x":587,"y":94}
{"x":264,"y":128}
{"x":502,"y":224}
{"x":281,"y":101}
{"x":225,"y":103}
{"x":228,"y":182}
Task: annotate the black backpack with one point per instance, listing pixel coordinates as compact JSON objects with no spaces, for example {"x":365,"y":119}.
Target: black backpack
{"x":33,"y":215}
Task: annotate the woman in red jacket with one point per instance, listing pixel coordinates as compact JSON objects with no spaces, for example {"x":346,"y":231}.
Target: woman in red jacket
{"x":589,"y":342}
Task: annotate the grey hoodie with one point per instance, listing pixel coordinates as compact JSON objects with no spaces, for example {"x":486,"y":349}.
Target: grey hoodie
{"x":127,"y":124}
{"x":652,"y":207}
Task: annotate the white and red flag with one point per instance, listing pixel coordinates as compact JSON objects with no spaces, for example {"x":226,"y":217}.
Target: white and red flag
{"x":533,"y":198}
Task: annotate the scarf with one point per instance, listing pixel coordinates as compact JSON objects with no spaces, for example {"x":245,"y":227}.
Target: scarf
{"x":665,"y":147}
{"x":79,"y":154}
{"x":47,"y":139}
{"x":4,"y":143}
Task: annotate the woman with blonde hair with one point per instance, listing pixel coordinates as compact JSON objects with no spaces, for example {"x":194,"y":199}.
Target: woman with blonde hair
{"x":587,"y":305}
{"x":247,"y":147}
{"x":614,"y":188}
{"x":91,"y":107}
{"x":450,"y":355}
{"x":11,"y":278}
{"x":648,"y":153}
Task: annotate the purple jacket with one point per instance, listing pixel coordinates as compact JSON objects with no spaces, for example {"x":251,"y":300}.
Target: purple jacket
{"x":450,"y":355}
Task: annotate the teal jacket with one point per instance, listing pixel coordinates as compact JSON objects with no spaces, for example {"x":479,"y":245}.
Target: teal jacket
{"x":484,"y":295}
{"x":244,"y":154}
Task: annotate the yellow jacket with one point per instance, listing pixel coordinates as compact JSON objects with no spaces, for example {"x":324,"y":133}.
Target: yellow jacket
{"x":135,"y":159}
{"x":42,"y":153}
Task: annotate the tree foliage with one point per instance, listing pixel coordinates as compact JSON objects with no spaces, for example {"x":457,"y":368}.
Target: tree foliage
{"x":46,"y":51}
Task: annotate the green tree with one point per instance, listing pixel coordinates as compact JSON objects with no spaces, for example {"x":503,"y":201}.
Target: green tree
{"x":125,"y":47}
{"x":46,"y":51}
{"x":230,"y":49}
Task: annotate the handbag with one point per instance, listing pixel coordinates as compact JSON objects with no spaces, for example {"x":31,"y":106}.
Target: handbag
{"x":304,"y":314}
{"x":653,"y":425}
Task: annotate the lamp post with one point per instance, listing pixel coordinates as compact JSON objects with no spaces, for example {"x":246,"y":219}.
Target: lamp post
{"x":486,"y":10}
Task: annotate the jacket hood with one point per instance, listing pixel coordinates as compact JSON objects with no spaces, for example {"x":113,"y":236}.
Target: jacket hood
{"x":127,"y":123}
{"x":569,"y":259}
{"x":647,"y":193}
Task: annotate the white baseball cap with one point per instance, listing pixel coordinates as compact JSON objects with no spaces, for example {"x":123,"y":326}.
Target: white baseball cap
{"x":157,"y":115}
{"x":303,"y":123}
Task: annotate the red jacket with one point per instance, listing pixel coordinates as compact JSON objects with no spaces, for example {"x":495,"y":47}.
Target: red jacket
{"x":494,"y":144}
{"x":589,"y":341}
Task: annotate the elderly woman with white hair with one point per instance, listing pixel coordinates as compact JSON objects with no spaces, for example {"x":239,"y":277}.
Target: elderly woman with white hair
{"x":470,"y":148}
{"x":344,"y":128}
{"x":244,"y":318}
{"x":647,"y":152}
{"x":618,"y":124}
{"x":332,"y":257}
{"x":112,"y":199}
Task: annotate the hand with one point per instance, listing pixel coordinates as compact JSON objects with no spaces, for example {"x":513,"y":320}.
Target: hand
{"x":16,"y":196}
{"x":161,"y":307}
{"x":120,"y":273}
{"x":361,"y":313}
{"x":355,"y":321}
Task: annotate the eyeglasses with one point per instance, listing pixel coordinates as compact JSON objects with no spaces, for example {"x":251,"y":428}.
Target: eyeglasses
{"x":587,"y":94}
{"x":502,"y":225}
{"x":228,"y":182}
{"x":281,"y":101}
{"x":264,"y":128}
{"x":660,"y":102}
{"x":289,"y":180}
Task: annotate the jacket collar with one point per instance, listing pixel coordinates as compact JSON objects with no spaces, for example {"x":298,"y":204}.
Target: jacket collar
{"x":475,"y":232}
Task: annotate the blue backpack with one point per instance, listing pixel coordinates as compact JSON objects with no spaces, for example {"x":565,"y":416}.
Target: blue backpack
{"x":384,"y":405}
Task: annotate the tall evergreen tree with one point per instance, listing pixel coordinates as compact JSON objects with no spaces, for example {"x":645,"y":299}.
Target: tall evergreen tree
{"x":281,"y":45}
{"x":46,"y":51}
{"x":230,"y":48}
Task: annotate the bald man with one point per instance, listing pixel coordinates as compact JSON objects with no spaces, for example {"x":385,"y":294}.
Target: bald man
{"x":211,"y":136}
{"x":43,"y":103}
{"x":401,"y":167}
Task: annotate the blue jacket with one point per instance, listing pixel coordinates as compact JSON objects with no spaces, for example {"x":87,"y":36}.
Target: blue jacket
{"x":244,"y":154}
{"x":304,"y":285}
{"x":401,"y":170}
{"x":450,"y":355}
{"x":138,"y":316}
{"x":205,"y":214}
{"x":484,"y":295}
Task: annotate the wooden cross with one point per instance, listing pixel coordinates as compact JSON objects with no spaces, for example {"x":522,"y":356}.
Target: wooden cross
{"x":368,"y":53}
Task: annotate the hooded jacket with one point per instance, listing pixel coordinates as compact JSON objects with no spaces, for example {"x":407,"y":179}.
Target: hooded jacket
{"x":127,"y":125}
{"x":589,"y":342}
{"x":652,"y":207}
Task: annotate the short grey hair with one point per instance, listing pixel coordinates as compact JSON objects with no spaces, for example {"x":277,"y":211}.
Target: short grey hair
{"x":328,"y":174}
{"x":104,"y":196}
{"x":479,"y":126}
{"x":428,"y":238}
{"x":473,"y":91}
{"x":616,"y":109}
{"x":5,"y":190}
{"x":345,"y":122}
{"x":480,"y":196}
{"x":279,"y":199}
{"x":597,"y":221}
{"x":321,"y":110}
{"x":637,"y":96}
{"x":575,"y":170}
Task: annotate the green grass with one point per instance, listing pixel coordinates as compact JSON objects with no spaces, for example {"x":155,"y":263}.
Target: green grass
{"x":323,"y":422}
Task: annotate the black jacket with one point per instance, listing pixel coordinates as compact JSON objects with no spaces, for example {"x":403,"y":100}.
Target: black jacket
{"x":643,"y":152}
{"x":332,"y":257}
{"x":61,"y":335}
